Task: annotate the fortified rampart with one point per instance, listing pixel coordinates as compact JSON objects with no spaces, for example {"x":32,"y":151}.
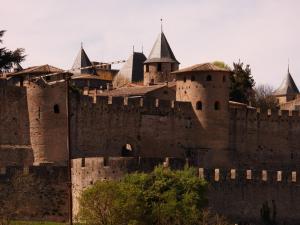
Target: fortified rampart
{"x":34,"y":192}
{"x":103,"y":126}
{"x":266,"y":138}
{"x":236,"y":193}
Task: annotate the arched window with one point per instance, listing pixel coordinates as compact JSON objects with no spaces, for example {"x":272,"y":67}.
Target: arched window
{"x":56,"y":108}
{"x":147,"y":68}
{"x":193,"y":78}
{"x":217,"y":105}
{"x":127,"y":150}
{"x":208,"y":78}
{"x":184,"y":79}
{"x":199,"y":105}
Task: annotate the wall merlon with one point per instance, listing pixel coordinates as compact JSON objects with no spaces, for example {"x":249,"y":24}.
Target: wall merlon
{"x":249,"y":175}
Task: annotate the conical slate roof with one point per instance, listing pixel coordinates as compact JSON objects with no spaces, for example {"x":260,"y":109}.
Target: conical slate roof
{"x":82,"y":60}
{"x":287,"y":87}
{"x":133,"y":68}
{"x":161,"y":51}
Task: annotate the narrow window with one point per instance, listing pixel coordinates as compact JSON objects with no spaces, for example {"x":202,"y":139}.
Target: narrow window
{"x":208,"y":78}
{"x":192,"y":78}
{"x":224,"y":79}
{"x":199,"y":105}
{"x":184,"y":79}
{"x":217,"y":105}
{"x":159,"y":67}
{"x":56,"y":108}
{"x":147,"y":68}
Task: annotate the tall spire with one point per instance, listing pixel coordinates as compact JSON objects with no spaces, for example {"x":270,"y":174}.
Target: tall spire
{"x":288,"y":86}
{"x":161,"y":51}
{"x":82,"y":60}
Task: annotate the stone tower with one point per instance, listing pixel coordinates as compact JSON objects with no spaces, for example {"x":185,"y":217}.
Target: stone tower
{"x":206,"y":86}
{"x":288,"y":90}
{"x":48,"y":122}
{"x":160,"y":63}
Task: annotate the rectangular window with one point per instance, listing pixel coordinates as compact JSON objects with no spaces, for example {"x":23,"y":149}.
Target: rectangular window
{"x":158,"y":67}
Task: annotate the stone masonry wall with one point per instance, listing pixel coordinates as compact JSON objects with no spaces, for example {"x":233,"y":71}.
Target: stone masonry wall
{"x":265,"y":139}
{"x":34,"y":193}
{"x":15,"y":146}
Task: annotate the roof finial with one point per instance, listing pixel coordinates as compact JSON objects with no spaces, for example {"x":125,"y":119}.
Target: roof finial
{"x":133,"y":48}
{"x":81,"y":44}
{"x":288,"y":65}
{"x":161,"y":24}
{"x":142,"y":48}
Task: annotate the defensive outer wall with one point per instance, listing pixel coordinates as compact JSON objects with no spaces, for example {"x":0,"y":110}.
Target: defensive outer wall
{"x":155,"y":129}
{"x":236,"y":193}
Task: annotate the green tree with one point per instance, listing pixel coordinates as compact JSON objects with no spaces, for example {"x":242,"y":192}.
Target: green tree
{"x":8,"y":57}
{"x":242,"y":83}
{"x":221,"y":64}
{"x":163,"y":197}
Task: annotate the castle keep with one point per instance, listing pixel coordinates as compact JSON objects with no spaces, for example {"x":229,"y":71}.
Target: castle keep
{"x":175,"y":116}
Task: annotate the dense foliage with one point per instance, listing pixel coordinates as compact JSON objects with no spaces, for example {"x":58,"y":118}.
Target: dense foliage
{"x":8,"y":57}
{"x":242,"y":83}
{"x":163,"y":197}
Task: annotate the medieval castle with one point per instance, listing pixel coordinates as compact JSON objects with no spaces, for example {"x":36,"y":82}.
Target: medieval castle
{"x":164,"y":115}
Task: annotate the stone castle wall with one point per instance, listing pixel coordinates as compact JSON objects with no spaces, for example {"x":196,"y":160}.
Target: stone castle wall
{"x":156,"y":128}
{"x":35,"y":192}
{"x":236,"y":193}
{"x":265,"y":138}
{"x":15,"y":145}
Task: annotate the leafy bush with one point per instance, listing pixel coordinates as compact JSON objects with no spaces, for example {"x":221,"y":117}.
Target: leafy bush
{"x":162,"y":197}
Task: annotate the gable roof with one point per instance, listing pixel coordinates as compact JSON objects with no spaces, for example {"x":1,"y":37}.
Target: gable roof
{"x":82,"y":60}
{"x":133,"y":68}
{"x":133,"y":91}
{"x":161,"y":51}
{"x":37,"y":70}
{"x":287,"y":86}
{"x":202,"y":67}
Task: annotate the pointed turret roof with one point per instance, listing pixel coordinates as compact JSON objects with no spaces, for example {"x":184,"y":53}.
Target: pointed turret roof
{"x":82,"y":60}
{"x":287,"y":87}
{"x":133,"y":68}
{"x":161,"y":51}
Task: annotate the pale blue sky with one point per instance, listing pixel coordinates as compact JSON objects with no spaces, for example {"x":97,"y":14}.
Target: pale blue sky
{"x":262,"y":33}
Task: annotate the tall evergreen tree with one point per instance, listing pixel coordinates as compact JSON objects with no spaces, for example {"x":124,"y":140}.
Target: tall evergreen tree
{"x":8,"y":57}
{"x":242,"y":83}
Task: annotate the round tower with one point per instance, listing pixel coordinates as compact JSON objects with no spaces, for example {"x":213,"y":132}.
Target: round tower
{"x":206,"y":86}
{"x":160,"y":63}
{"x":48,"y":122}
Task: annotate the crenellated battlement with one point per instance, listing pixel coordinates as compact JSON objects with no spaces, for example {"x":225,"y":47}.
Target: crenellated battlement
{"x":138,"y":103}
{"x":54,"y":173}
{"x":119,"y":166}
{"x":258,"y":114}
